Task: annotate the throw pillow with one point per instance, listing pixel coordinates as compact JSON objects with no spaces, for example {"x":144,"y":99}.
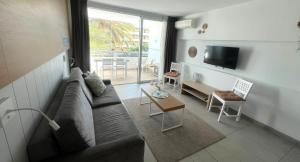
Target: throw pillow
{"x":95,"y":84}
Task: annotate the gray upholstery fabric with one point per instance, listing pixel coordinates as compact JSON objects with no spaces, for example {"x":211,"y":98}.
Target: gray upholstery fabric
{"x":129,"y":149}
{"x":76,"y":75}
{"x":75,"y":118}
{"x":42,"y":137}
{"x":113,"y":123}
{"x":95,"y":84}
{"x":117,"y":139}
{"x":108,"y":97}
{"x":115,"y":135}
{"x":84,"y":75}
{"x":106,"y":81}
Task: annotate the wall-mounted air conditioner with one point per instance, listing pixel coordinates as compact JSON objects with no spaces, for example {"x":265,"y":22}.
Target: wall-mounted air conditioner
{"x":183,"y":24}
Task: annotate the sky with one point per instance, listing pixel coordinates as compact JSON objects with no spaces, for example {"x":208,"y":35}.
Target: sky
{"x":100,"y":14}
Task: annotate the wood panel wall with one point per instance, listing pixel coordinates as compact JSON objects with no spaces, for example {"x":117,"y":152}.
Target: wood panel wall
{"x":31,"y":33}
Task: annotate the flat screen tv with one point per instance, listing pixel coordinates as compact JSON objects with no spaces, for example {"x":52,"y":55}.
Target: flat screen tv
{"x":221,"y":56}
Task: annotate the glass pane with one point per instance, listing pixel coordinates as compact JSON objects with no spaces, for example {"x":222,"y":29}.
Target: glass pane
{"x":152,"y":54}
{"x":114,"y":43}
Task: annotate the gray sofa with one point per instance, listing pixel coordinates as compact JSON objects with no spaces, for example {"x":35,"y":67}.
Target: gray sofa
{"x":93,"y":129}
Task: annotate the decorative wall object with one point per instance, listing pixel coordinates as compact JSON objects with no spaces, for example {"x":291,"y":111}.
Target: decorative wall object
{"x":192,"y":51}
{"x":204,"y":27}
{"x":298,"y":24}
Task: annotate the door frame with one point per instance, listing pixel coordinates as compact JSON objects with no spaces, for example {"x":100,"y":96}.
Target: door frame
{"x":142,"y":16}
{"x":139,"y":70}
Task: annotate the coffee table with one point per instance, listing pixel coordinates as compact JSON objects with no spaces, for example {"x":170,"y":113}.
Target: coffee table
{"x":165,"y":105}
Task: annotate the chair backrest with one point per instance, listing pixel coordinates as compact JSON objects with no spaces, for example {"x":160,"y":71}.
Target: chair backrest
{"x":120,"y":61}
{"x":149,"y":61}
{"x":242,"y":88}
{"x":176,"y":67}
{"x":107,"y":61}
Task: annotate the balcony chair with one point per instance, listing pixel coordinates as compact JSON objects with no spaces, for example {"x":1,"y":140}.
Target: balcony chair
{"x":107,"y":64}
{"x":236,"y":97}
{"x":121,"y":64}
{"x":146,"y":64}
{"x":173,"y":74}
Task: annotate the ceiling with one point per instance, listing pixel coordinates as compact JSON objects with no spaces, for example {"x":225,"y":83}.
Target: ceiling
{"x":172,"y":7}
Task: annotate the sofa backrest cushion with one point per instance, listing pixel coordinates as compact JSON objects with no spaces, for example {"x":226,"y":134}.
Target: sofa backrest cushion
{"x":75,"y":118}
{"x":76,"y":75}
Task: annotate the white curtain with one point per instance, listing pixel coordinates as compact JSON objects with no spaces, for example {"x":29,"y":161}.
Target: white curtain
{"x":162,"y":50}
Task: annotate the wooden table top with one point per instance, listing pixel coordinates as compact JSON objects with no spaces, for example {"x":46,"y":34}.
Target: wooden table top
{"x":167,"y":104}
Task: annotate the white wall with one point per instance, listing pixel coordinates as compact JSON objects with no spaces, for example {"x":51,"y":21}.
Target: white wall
{"x":266,"y":32}
{"x":31,"y":90}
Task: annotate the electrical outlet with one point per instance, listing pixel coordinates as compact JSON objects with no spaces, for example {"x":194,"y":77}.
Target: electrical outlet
{"x":6,"y":104}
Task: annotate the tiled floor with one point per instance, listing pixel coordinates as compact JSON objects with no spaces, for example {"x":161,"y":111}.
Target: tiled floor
{"x":244,"y":142}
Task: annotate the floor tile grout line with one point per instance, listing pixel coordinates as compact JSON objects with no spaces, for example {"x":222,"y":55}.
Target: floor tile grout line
{"x":226,"y":137}
{"x":283,"y":156}
{"x":211,"y":154}
{"x":239,"y":129}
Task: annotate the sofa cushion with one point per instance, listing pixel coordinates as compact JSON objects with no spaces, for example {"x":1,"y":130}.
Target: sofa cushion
{"x":75,"y":118}
{"x":113,"y":123}
{"x":108,"y":97}
{"x":76,"y":75}
{"x":95,"y":84}
{"x":42,"y":136}
{"x":228,"y":96}
{"x":172,"y":74}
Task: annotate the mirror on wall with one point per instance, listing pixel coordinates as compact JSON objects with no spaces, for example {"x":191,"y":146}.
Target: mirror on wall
{"x":192,"y":51}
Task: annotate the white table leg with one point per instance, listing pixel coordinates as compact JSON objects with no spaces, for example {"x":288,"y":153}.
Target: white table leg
{"x":172,"y":127}
{"x":141,"y":99}
{"x":211,"y":102}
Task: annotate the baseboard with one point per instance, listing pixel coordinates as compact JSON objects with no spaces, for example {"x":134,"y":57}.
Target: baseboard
{"x":276,"y":132}
{"x":264,"y":126}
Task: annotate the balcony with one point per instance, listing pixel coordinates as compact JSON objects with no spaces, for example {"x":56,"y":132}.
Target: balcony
{"x":122,"y":67}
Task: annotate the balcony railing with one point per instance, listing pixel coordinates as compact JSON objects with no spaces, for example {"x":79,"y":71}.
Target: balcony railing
{"x":122,"y":67}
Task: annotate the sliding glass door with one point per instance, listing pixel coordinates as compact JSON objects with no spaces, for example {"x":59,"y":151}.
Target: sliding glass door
{"x":124,"y":48}
{"x":151,"y":53}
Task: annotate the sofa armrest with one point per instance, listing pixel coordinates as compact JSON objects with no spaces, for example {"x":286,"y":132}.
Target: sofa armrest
{"x":106,"y":81}
{"x":129,"y":149}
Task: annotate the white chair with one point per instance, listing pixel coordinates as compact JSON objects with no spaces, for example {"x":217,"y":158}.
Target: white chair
{"x":121,"y":64}
{"x":236,"y":97}
{"x":107,"y":64}
{"x":175,"y":67}
{"x":146,"y":64}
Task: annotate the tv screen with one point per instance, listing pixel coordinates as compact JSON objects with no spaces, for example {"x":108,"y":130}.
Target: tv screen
{"x":221,"y":56}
